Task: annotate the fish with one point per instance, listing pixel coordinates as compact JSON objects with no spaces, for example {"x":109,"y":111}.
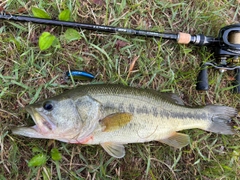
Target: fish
{"x":113,"y":115}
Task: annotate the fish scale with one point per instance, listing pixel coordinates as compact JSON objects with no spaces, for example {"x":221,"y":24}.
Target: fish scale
{"x":114,"y":115}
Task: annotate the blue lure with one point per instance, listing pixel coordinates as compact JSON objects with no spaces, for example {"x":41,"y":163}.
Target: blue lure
{"x":81,"y":75}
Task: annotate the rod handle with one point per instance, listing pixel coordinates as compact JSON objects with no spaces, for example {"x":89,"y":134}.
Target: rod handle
{"x":183,"y":38}
{"x":236,"y":83}
{"x":202,"y":79}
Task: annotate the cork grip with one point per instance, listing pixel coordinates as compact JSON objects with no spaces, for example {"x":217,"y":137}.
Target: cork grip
{"x":183,"y":38}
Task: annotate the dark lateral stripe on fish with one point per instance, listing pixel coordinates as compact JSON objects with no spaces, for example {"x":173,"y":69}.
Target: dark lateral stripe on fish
{"x":155,"y":112}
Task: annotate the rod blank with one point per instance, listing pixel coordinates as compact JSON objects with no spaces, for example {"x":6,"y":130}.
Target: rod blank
{"x":94,"y":27}
{"x":181,"y":38}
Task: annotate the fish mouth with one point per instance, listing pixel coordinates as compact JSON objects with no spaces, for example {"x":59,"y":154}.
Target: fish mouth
{"x":42,"y":127}
{"x":43,"y":124}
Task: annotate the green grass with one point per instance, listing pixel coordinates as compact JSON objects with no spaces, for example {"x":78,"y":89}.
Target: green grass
{"x":28,"y":75}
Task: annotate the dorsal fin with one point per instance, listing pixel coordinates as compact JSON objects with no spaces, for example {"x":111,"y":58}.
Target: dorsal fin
{"x":172,"y":98}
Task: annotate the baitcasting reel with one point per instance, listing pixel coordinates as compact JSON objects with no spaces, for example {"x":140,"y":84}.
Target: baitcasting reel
{"x":226,"y":46}
{"x":226,"y":50}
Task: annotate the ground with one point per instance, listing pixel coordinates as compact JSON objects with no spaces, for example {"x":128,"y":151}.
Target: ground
{"x":28,"y":74}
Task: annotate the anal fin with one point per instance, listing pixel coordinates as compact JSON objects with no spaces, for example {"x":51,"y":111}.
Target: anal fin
{"x":177,"y":140}
{"x":114,"y":149}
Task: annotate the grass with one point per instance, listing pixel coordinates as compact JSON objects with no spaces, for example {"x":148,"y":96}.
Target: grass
{"x":28,"y":75}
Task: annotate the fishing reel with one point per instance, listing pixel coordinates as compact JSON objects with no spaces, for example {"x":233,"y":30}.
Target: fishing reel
{"x":226,"y":48}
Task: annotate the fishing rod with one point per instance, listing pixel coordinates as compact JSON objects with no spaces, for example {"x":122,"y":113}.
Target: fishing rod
{"x":226,"y":47}
{"x":182,"y":38}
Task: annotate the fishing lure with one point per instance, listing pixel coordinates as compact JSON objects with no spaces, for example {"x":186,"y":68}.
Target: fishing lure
{"x":80,"y":75}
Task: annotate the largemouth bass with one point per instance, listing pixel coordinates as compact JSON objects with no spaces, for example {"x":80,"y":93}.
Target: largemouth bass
{"x":114,"y":115}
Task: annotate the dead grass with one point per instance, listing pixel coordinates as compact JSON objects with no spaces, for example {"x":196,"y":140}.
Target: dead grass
{"x":28,"y":75}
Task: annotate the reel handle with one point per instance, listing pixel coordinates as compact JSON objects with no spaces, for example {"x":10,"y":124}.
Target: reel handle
{"x":237,"y":81}
{"x":202,"y":79}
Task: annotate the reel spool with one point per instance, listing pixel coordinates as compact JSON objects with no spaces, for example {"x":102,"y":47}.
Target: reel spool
{"x":226,"y":51}
{"x":234,"y":37}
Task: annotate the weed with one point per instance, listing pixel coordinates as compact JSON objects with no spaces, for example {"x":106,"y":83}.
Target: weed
{"x":28,"y":74}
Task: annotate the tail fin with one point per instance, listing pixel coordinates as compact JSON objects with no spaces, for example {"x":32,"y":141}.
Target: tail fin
{"x":221,"y":117}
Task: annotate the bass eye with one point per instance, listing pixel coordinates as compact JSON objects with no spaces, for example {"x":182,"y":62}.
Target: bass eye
{"x":48,"y":106}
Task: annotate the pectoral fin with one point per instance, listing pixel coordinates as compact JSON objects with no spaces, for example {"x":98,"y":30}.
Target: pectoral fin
{"x":114,"y":149}
{"x":115,"y":121}
{"x":177,"y":140}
